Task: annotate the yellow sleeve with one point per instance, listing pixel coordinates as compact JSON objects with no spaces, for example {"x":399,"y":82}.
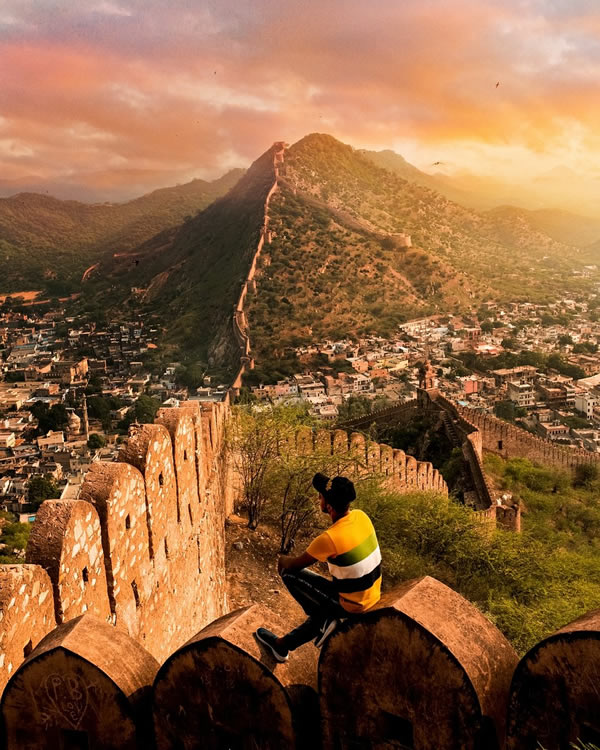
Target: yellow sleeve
{"x":322,"y":548}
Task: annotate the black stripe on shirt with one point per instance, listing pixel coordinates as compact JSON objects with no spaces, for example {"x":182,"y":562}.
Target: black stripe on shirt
{"x":352,"y":585}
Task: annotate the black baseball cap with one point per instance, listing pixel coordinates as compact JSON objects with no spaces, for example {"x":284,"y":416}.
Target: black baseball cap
{"x":339,"y":492}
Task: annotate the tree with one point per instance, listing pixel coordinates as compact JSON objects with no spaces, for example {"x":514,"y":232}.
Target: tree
{"x":41,"y":488}
{"x":585,"y":475}
{"x":556,"y":362}
{"x":584,"y":347}
{"x":354,"y":407}
{"x":509,"y":410}
{"x":565,"y":339}
{"x":253,"y":442}
{"x":54,"y":418}
{"x":143,"y":412}
{"x":191,"y":375}
{"x":291,"y":483}
{"x":94,"y":384}
{"x":145,"y":409}
{"x":291,"y":493}
{"x":96,"y":441}
{"x":14,"y":535}
{"x":255,"y":439}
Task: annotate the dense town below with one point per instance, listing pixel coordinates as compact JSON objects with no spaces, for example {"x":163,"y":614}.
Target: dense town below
{"x":537,"y":365}
{"x":71,"y":388}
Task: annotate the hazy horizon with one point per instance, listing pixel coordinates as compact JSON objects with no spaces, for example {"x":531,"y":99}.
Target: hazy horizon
{"x":114,"y":99}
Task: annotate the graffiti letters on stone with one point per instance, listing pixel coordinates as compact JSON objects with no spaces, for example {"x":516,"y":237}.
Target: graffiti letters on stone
{"x":68,"y":695}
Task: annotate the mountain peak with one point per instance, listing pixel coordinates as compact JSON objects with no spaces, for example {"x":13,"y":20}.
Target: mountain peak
{"x":321,"y":142}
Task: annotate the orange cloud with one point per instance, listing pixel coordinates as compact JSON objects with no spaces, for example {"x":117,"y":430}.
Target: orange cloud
{"x":153,"y":94}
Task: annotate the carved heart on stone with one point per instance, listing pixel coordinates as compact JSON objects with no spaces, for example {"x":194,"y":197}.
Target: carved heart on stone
{"x":69,"y":695}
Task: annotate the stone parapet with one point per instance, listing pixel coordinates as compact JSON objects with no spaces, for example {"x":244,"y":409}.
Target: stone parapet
{"x":26,"y":614}
{"x":399,"y":471}
{"x":438,"y":674}
{"x":66,"y":541}
{"x":240,"y":324}
{"x":85,"y":685}
{"x":224,"y":687}
{"x":554,"y":692}
{"x":423,"y":669}
{"x":144,"y":541}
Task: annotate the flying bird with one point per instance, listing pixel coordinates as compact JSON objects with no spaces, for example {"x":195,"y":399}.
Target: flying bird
{"x":435,"y":163}
{"x":497,"y":84}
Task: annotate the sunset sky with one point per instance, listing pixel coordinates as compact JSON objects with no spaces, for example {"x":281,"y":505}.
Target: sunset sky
{"x":122,"y":96}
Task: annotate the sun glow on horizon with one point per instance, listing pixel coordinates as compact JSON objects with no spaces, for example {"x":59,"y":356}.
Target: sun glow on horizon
{"x":501,"y":89}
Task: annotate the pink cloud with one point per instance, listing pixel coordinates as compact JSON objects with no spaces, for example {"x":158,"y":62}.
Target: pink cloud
{"x":164,"y":92}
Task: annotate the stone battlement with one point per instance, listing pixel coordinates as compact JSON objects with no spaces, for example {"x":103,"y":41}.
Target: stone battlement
{"x":400,"y":472}
{"x":476,"y":433}
{"x":239,"y":322}
{"x":143,"y":543}
{"x":131,"y":577}
{"x":423,"y":669}
{"x":145,"y":539}
{"x":509,"y":441}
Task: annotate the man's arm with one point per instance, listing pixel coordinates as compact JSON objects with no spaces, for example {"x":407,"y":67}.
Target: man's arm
{"x":289,"y":563}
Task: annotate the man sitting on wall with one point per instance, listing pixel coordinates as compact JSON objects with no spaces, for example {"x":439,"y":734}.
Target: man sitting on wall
{"x":350,"y":548}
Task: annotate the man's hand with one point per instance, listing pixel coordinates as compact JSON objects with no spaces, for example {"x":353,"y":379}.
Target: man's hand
{"x":289,"y":563}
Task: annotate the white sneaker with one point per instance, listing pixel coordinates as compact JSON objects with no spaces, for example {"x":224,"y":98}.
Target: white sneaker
{"x":328,"y":627}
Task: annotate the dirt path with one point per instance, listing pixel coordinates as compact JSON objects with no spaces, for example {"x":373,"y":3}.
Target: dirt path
{"x":251,"y":570}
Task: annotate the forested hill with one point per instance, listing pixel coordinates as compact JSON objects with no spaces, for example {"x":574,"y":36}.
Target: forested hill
{"x":191,"y":275}
{"x":43,"y":238}
{"x":337,"y":265}
{"x":339,"y":262}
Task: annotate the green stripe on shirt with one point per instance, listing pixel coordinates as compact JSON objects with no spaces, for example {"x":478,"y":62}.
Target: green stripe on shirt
{"x":357,"y":554}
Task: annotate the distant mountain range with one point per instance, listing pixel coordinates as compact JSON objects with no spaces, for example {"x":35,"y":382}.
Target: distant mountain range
{"x":560,"y":190}
{"x":338,"y":263}
{"x":42,"y":237}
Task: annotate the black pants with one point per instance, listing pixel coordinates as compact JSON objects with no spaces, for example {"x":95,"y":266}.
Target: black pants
{"x":318,"y":598}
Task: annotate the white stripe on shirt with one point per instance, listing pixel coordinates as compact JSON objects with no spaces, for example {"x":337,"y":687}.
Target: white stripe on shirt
{"x":357,"y":570}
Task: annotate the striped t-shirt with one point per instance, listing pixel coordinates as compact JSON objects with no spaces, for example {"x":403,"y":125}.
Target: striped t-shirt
{"x":351,"y":551}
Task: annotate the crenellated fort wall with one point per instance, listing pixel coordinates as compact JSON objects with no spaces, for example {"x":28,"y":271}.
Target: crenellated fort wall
{"x":423,"y":669}
{"x":145,"y":539}
{"x":477,"y":433}
{"x":142,"y":548}
{"x":509,"y":441}
{"x":239,"y":320}
{"x":115,"y":632}
{"x":399,"y":471}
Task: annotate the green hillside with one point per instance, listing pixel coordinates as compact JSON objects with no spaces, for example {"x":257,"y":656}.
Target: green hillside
{"x":43,"y":238}
{"x":191,"y":275}
{"x":338,"y":263}
{"x":336,"y":266}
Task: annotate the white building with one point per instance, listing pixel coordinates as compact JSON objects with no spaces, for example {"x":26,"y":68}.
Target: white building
{"x":522,"y":394}
{"x":7,"y":439}
{"x":585,"y":403}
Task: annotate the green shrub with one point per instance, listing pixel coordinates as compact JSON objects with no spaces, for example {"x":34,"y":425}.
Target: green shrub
{"x":528,"y":584}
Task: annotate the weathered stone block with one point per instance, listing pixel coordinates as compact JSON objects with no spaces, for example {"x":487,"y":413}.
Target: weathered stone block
{"x":26,"y":614}
{"x":85,"y":685}
{"x":117,"y":491}
{"x":425,"y":670}
{"x":66,"y":541}
{"x":149,"y":449}
{"x":554,"y":692}
{"x":183,"y":438}
{"x":222,"y":687}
